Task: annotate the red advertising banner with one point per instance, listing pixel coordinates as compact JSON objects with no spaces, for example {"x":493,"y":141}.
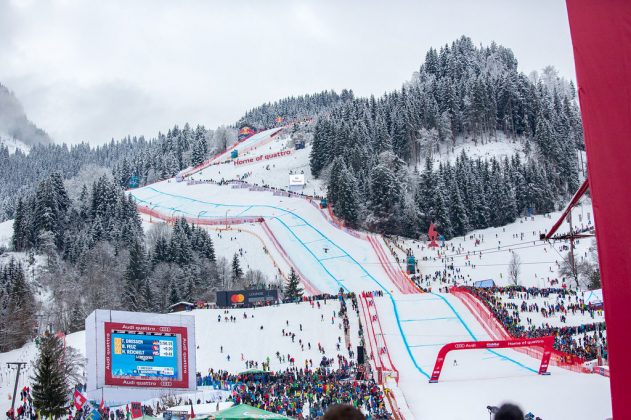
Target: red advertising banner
{"x":601,"y":39}
{"x":146,"y":356}
{"x":136,"y":410}
{"x":545,"y":342}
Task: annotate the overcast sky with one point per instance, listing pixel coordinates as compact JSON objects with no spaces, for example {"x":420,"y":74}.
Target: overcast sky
{"x":93,"y":70}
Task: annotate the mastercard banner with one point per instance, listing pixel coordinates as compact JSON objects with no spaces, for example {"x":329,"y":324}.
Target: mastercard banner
{"x":237,"y":298}
{"x":246,"y":297}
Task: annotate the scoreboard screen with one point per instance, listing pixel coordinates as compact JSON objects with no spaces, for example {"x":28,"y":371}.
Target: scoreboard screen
{"x":146,"y":355}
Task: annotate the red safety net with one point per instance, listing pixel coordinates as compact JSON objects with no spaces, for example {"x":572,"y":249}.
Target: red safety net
{"x":199,"y":221}
{"x":496,"y":331}
{"x":379,"y":354}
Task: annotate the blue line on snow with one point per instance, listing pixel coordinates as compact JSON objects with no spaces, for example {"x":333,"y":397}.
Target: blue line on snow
{"x":333,"y":257}
{"x":244,"y":211}
{"x":310,"y":252}
{"x":393,"y":302}
{"x":428,"y":319}
{"x":475,"y":338}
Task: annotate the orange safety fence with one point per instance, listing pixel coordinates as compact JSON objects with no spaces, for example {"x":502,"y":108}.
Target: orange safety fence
{"x":310,"y":288}
{"x":403,"y":283}
{"x":199,"y":221}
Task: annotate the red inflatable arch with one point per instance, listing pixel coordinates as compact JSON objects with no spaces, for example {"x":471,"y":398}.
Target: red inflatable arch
{"x":545,"y":342}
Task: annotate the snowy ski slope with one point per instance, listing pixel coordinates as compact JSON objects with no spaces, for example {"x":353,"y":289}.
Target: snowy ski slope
{"x":296,"y":232}
{"x":415,"y":325}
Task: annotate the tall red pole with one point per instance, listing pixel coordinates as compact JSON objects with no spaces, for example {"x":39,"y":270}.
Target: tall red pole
{"x":601,"y":37}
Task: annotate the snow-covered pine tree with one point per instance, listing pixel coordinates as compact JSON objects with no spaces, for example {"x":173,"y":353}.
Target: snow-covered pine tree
{"x":293,"y":291}
{"x":237,"y":271}
{"x":49,"y":383}
{"x":135,"y":278}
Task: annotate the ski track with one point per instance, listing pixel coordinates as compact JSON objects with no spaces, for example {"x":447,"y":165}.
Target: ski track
{"x":319,"y":261}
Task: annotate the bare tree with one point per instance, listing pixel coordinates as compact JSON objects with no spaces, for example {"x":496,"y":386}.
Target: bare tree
{"x":580,"y":272}
{"x":514,"y":268}
{"x":157,"y":231}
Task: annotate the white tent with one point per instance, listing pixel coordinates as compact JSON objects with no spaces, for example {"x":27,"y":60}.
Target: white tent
{"x":594,"y":297}
{"x":201,"y":410}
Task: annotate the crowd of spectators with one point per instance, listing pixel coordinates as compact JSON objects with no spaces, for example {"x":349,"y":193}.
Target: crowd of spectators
{"x":307,"y":392}
{"x":584,"y":340}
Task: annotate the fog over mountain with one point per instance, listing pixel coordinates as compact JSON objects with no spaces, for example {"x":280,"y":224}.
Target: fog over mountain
{"x":15,"y":124}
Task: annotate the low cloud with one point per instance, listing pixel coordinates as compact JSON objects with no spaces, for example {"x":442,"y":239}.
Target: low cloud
{"x":94,"y":70}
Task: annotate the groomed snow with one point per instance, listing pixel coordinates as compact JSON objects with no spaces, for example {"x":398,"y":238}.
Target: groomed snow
{"x":331,"y":258}
{"x":273,"y":172}
{"x":243,"y":337}
{"x":415,"y":325}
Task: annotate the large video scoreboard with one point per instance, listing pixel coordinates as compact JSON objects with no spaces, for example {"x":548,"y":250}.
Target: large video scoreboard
{"x":146,"y":355}
{"x":136,"y":356}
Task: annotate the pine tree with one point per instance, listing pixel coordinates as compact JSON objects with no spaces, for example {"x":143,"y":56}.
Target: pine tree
{"x":293,"y":291}
{"x":18,"y":239}
{"x":135,"y":278}
{"x":49,"y":383}
{"x":173,"y":296}
{"x":237,"y":271}
{"x":17,"y":307}
{"x":385,"y":192}
{"x":347,"y":204}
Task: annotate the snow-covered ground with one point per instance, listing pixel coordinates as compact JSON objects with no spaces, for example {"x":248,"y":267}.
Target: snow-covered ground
{"x":498,"y":147}
{"x":417,"y":324}
{"x":249,"y":242}
{"x":486,"y":254}
{"x":273,"y":171}
{"x":6,"y":232}
{"x":14,"y":144}
{"x":414,"y":325}
{"x":243,"y":337}
{"x":481,"y":377}
{"x":554,"y":320}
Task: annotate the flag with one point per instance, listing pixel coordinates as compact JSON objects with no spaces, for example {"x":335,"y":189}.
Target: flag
{"x":93,"y":415}
{"x":88,"y":407}
{"x":102,"y":405}
{"x":192,"y":412}
{"x":79,"y":399}
{"x":136,"y":410}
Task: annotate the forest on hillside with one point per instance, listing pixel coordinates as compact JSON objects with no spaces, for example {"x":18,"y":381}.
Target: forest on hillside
{"x":97,"y":255}
{"x":376,"y":153}
{"x":132,"y":161}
